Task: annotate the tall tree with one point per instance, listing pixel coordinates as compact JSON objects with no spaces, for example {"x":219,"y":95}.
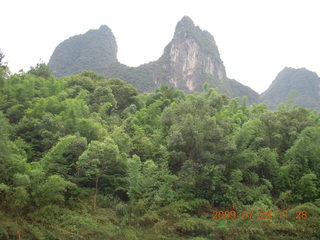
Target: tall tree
{"x":94,"y":161}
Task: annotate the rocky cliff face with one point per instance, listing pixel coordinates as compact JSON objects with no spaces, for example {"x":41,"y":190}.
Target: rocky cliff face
{"x":190,"y":56}
{"x":294,"y":86}
{"x":189,"y":60}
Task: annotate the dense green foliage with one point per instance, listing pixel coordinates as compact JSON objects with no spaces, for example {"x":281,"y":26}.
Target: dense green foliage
{"x":84,"y":157}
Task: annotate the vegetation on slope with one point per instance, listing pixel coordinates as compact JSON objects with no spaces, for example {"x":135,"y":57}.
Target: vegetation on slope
{"x":84,"y":157}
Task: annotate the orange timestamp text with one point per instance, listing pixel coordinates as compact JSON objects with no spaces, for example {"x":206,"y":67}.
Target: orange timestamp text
{"x":258,"y":214}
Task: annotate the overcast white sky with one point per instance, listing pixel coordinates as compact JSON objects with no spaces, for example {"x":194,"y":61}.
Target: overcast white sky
{"x":256,"y":38}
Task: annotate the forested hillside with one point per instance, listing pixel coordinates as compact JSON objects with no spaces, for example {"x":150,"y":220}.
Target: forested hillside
{"x":84,"y":157}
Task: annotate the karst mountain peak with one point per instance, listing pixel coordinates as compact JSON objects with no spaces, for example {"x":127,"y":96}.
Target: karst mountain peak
{"x":188,"y":61}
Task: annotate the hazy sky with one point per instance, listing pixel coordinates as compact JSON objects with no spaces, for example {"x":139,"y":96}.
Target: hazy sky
{"x":256,"y":38}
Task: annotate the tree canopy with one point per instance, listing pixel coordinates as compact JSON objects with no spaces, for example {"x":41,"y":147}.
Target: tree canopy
{"x":84,"y":157}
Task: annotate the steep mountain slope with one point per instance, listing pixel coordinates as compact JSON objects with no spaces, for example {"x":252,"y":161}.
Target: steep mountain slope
{"x":297,"y":86}
{"x":190,"y":57}
{"x":188,"y":61}
{"x":93,"y":50}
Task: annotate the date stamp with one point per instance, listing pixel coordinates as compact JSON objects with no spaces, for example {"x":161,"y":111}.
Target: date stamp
{"x":258,"y":215}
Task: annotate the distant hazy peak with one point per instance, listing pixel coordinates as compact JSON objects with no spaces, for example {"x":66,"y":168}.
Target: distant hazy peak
{"x":287,"y":70}
{"x":185,"y":22}
{"x":293,"y":74}
{"x":185,"y":26}
{"x":94,"y":50}
{"x":104,"y":27}
{"x":290,"y":74}
{"x":299,"y":85}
